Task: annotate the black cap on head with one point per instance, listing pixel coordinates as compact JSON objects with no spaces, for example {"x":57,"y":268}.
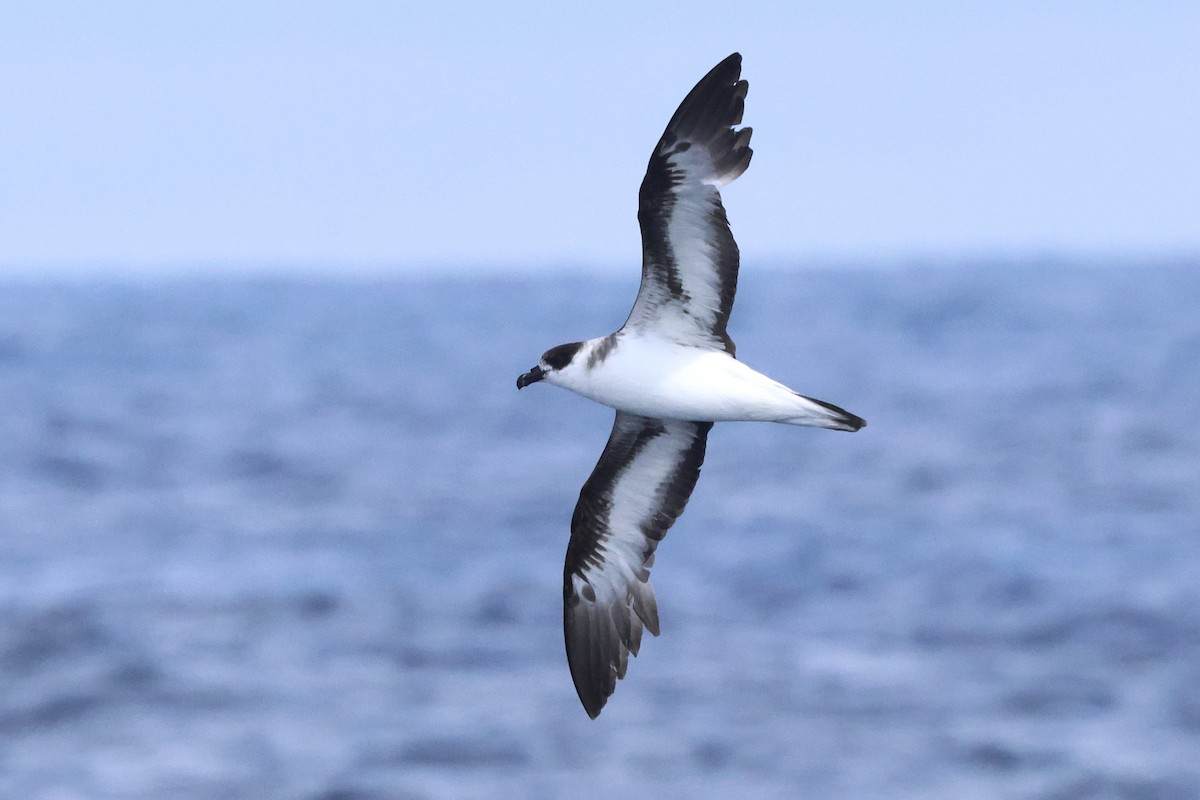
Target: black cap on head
{"x":559,"y":357}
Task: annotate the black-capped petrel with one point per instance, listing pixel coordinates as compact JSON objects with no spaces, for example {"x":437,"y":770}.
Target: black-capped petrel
{"x":670,"y":373}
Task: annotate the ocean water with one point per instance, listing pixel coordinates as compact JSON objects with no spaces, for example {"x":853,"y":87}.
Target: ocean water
{"x":303,"y":539}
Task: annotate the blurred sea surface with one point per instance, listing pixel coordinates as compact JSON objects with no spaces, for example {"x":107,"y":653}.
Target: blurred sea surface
{"x":304,"y":539}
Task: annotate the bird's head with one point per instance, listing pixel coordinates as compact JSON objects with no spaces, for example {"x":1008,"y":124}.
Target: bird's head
{"x":552,"y":362}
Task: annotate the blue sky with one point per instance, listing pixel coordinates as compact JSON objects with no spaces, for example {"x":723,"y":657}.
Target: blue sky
{"x":401,"y":136}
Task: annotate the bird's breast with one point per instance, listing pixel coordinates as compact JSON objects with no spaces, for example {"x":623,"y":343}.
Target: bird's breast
{"x":675,"y":382}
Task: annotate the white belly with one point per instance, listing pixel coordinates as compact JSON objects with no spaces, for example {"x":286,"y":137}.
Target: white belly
{"x":665,"y":380}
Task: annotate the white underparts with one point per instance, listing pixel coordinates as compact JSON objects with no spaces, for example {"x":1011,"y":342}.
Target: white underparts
{"x":654,"y":377}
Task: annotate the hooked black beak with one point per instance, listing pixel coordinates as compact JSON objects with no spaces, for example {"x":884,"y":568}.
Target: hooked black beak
{"x":533,"y":376}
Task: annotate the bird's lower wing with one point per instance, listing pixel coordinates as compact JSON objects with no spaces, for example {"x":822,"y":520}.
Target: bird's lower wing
{"x":637,"y":490}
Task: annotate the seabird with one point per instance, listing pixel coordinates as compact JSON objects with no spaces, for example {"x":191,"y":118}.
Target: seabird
{"x":670,"y":373}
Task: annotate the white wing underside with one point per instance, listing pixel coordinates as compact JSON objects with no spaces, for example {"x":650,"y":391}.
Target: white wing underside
{"x":637,"y":490}
{"x":689,"y":257}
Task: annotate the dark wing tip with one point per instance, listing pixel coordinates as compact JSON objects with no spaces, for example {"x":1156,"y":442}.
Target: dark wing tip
{"x":592,"y":704}
{"x":707,"y":117}
{"x":601,"y":638}
{"x":716,"y":101}
{"x":594,"y":653}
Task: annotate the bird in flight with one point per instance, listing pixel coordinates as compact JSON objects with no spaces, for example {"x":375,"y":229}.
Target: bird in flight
{"x":670,"y":373}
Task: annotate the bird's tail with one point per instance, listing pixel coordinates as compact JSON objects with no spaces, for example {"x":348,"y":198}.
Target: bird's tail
{"x":819,"y":414}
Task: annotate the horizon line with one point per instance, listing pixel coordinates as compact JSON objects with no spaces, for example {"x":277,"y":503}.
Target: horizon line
{"x":354,"y":269}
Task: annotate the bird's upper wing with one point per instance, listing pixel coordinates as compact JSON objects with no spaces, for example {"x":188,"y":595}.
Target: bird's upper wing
{"x":689,"y":257}
{"x":637,"y":490}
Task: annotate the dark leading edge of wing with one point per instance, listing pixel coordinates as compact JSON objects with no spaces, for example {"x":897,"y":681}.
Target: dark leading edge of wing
{"x":637,"y":490}
{"x":689,"y":257}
